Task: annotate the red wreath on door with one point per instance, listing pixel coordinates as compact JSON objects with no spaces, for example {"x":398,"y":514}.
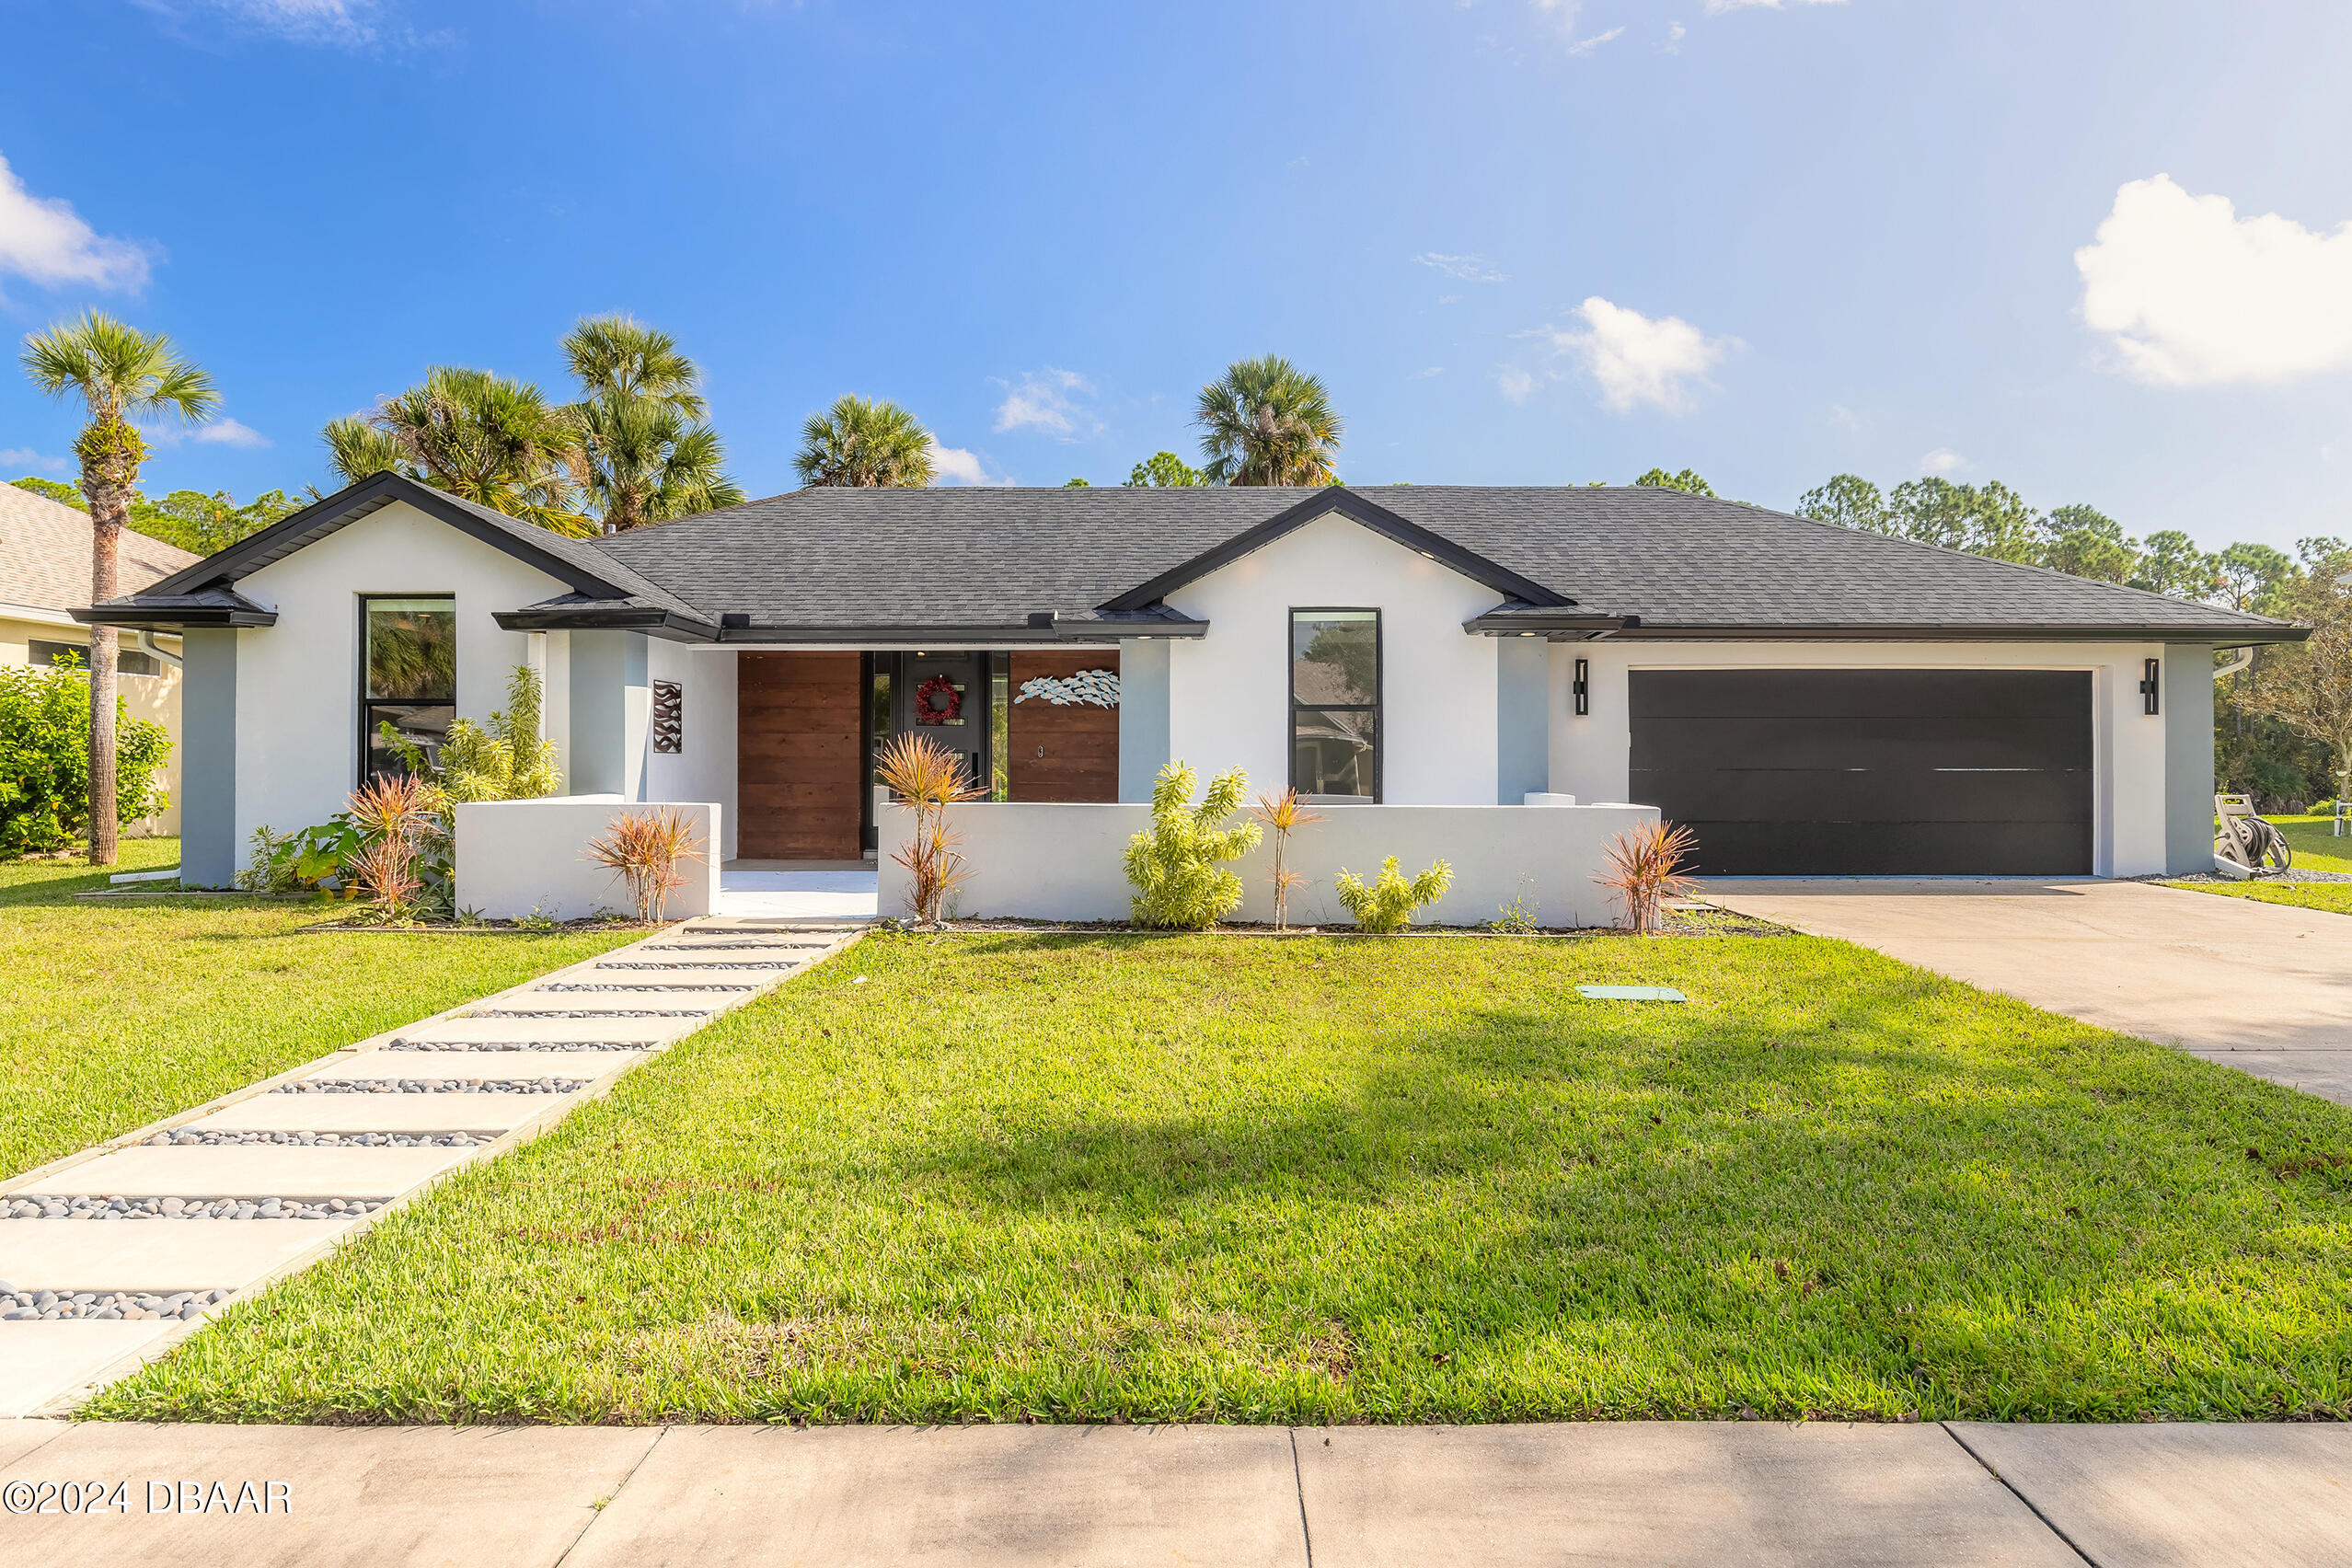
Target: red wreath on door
{"x":938,"y":702}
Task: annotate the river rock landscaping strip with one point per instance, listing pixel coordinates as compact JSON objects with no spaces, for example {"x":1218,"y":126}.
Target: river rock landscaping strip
{"x":84,"y":1207}
{"x":652,"y":985}
{"x":433,"y":1085}
{"x":111,"y":1306}
{"x":589,"y":1012}
{"x":719,"y":963}
{"x":187,"y":1137}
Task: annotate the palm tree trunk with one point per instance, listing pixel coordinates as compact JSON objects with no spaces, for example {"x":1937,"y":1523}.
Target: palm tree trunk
{"x":106,"y":478}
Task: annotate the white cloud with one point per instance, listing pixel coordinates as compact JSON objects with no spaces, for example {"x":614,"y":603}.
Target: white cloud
{"x":1638,"y":359}
{"x":1516,"y":384}
{"x":337,"y":24}
{"x":1718,"y":7}
{"x":1043,"y":400}
{"x":26,"y":458}
{"x":954,"y":465}
{"x":1942,"y":460}
{"x":2194,"y":295}
{"x":229,"y":432}
{"x":1470,"y":268}
{"x":1449,"y":299}
{"x":1844,"y":418}
{"x":1427,"y":370}
{"x":46,"y":242}
{"x":1675,"y":33}
{"x":1586,"y":45}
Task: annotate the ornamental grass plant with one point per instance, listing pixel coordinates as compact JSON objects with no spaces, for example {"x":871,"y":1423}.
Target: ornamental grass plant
{"x":650,"y":850}
{"x":926,"y":777}
{"x":1646,"y":865}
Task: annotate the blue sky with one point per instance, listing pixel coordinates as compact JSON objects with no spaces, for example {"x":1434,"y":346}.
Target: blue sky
{"x":1522,"y":242}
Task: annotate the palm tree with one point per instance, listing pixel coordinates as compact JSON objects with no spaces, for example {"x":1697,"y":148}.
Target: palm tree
{"x":482,"y":437}
{"x":864,"y":443}
{"x":1267,"y":422}
{"x":642,"y":461}
{"x":120,"y":374}
{"x":620,"y":356}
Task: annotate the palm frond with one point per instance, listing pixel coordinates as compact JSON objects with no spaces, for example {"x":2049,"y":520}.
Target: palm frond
{"x":619,"y":356}
{"x":119,"y":371}
{"x":861,"y":441}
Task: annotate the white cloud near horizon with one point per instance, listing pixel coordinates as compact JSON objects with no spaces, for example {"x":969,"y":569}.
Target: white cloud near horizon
{"x":226,"y":431}
{"x":954,"y":465}
{"x":1470,"y":268}
{"x":2191,"y":295}
{"x":1723,"y":8}
{"x":1516,"y":384}
{"x":1639,"y":360}
{"x":1045,"y":401}
{"x":44,"y":241}
{"x":1942,"y":460}
{"x":26,"y":458}
{"x":1586,"y":45}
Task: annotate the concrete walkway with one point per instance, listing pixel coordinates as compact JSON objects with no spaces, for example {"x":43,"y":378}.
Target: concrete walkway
{"x":236,"y":1209}
{"x":1630,"y":1492}
{"x":2264,"y":987}
{"x":795,"y":895}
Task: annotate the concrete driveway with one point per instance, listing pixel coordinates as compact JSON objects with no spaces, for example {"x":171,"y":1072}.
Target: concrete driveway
{"x":2260,"y":987}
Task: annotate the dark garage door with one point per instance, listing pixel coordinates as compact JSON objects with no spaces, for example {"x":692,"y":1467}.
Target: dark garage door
{"x":1869,"y":772}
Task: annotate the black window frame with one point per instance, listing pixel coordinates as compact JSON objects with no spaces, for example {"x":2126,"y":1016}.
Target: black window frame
{"x":1377,"y":706}
{"x":367,"y":705}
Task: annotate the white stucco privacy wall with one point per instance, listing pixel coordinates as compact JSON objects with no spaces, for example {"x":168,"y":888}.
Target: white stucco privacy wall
{"x":297,"y":681}
{"x":1065,"y":862}
{"x":1229,"y":692}
{"x":1591,"y":755}
{"x":514,"y":857}
{"x":704,"y":767}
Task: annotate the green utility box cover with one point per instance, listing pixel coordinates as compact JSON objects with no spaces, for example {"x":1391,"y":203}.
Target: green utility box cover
{"x":1631,"y":994}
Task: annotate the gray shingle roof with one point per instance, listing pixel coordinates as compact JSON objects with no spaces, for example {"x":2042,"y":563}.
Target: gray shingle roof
{"x":970,"y":558}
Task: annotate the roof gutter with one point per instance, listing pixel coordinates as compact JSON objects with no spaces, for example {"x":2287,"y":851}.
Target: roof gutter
{"x":161,"y":617}
{"x":2219,"y":636}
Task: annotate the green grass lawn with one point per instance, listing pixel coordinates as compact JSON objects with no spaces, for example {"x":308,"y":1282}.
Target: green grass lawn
{"x":1090,"y":1179}
{"x":2316,"y":849}
{"x":113,"y":1015}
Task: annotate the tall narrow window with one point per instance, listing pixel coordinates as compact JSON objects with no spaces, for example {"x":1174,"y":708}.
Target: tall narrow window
{"x":408,"y":677}
{"x":1335,"y":704}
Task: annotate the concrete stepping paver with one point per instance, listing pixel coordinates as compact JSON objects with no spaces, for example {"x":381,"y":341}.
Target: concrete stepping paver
{"x":483,"y":1064}
{"x":452,"y":1113}
{"x":56,"y":1363}
{"x":521,"y":1033}
{"x":259,"y":1170}
{"x":181,"y":1254}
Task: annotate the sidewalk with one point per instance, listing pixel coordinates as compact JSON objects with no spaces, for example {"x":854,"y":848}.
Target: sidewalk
{"x":1630,"y":1492}
{"x":117,"y":1253}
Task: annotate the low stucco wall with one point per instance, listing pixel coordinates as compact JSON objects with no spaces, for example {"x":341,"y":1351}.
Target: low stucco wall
{"x":1065,"y":862}
{"x":514,"y":856}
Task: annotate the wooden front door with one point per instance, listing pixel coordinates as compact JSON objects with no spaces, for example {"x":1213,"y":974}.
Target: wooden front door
{"x":1066,"y":751}
{"x":799,"y":719}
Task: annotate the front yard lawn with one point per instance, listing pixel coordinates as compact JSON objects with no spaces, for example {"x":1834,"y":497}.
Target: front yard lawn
{"x":1014,"y":1177}
{"x":113,"y":1015}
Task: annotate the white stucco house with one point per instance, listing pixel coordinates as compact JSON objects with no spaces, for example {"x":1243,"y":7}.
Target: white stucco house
{"x":1807,"y":698}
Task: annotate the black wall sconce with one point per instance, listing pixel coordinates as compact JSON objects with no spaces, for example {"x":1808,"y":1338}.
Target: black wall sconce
{"x":1581,"y":690}
{"x":669,"y":717}
{"x":2150,"y":683}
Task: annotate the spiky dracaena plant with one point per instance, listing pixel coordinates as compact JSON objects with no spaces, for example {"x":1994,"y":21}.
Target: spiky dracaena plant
{"x":1386,"y":905}
{"x":1286,"y":813}
{"x":1177,"y":865}
{"x":650,"y":851}
{"x":1646,"y":865}
{"x":924,"y":778}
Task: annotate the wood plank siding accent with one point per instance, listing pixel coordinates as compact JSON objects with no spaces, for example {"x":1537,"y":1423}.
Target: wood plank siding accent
{"x":1061,"y":753}
{"x":797,"y":726}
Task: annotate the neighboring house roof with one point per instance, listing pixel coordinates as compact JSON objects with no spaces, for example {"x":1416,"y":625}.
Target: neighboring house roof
{"x":45,"y":554}
{"x":1003,"y":564}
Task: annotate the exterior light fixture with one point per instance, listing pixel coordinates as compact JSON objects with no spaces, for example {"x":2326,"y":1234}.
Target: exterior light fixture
{"x":2150,"y":670}
{"x":1581,"y":690}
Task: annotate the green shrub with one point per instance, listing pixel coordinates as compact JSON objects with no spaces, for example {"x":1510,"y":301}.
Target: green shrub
{"x":1177,"y":865}
{"x":45,"y":759}
{"x":1388,"y":904}
{"x":504,"y":760}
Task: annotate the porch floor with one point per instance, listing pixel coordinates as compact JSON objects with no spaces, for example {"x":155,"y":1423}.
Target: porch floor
{"x":785,"y":890}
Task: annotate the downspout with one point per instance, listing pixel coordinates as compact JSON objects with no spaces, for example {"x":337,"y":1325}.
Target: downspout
{"x":2245,"y":657}
{"x":147,"y":644}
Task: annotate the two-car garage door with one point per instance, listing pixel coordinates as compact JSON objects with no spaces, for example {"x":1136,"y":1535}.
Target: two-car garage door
{"x":1869,"y":772}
